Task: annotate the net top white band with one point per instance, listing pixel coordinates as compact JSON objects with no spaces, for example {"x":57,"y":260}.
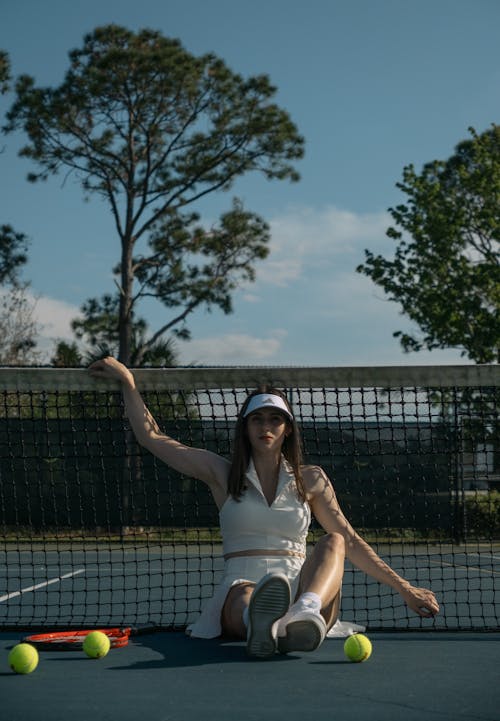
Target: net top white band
{"x":267,"y":400}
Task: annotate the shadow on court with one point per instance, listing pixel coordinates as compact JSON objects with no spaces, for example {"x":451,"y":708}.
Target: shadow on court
{"x":167,"y":676}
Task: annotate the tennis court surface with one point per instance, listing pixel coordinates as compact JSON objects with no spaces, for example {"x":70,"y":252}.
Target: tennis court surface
{"x":94,"y":533}
{"x":169,"y":677}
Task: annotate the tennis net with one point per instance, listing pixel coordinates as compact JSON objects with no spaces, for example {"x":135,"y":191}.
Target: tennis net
{"x":95,"y":532}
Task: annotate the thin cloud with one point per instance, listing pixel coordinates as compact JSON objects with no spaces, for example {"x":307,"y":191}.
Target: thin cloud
{"x":55,"y":316}
{"x":54,"y":322}
{"x":251,"y":298}
{"x":232,"y":348}
{"x":307,"y":239}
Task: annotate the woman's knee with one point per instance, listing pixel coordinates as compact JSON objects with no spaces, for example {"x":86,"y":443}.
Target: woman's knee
{"x":333,"y":543}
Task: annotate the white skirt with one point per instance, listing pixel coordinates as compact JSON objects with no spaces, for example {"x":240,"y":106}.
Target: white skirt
{"x":240,"y":570}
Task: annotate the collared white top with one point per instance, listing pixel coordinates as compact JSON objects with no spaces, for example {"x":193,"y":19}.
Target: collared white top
{"x":251,"y":523}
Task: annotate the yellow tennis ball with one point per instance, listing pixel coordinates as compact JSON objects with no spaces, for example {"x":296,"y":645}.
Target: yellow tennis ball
{"x":96,"y":644}
{"x":358,"y":647}
{"x":23,"y":658}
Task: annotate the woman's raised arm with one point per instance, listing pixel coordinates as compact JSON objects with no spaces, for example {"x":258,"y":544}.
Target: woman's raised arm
{"x":198,"y":463}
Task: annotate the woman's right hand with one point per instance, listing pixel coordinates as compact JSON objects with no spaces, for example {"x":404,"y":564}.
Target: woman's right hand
{"x":112,"y":369}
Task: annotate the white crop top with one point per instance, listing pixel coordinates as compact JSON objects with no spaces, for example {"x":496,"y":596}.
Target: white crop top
{"x":251,"y":523}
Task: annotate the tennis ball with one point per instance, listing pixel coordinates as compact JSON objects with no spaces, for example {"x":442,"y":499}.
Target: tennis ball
{"x":96,"y":644}
{"x":358,"y":648}
{"x":23,"y":658}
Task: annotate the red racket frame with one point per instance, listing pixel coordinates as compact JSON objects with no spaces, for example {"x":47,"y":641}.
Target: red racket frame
{"x":73,"y":640}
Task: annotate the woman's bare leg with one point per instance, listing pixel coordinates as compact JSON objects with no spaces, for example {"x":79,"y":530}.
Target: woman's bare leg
{"x":322,"y":574}
{"x":237,"y":601}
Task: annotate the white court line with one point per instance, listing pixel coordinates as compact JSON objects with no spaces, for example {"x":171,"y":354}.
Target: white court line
{"x":485,"y":555}
{"x":488,"y":571}
{"x":40,"y":585}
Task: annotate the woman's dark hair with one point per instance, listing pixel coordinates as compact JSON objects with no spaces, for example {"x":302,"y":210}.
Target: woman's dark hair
{"x":291,"y":449}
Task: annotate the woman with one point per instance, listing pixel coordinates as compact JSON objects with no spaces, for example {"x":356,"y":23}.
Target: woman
{"x":265,"y":498}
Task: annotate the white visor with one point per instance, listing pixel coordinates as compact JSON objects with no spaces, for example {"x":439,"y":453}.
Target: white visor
{"x":267,"y":400}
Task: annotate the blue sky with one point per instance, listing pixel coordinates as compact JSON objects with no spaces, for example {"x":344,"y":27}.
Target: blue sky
{"x":372,"y":85}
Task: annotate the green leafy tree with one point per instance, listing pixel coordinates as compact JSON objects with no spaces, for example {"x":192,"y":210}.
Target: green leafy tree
{"x":4,"y":72}
{"x":445,"y":272}
{"x":18,"y":327}
{"x":67,"y":355}
{"x":152,"y":129}
{"x":13,"y":254}
{"x":13,"y":245}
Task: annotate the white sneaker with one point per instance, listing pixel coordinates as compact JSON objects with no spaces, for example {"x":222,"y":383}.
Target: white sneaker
{"x":301,"y":630}
{"x":270,"y":601}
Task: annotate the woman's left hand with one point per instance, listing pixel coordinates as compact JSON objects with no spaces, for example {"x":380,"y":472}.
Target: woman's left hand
{"x":421,"y":600}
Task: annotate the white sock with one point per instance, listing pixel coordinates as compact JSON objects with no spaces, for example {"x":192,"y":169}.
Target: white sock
{"x":309,"y":600}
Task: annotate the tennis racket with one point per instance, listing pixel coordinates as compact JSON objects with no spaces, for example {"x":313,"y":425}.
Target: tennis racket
{"x":73,"y":640}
